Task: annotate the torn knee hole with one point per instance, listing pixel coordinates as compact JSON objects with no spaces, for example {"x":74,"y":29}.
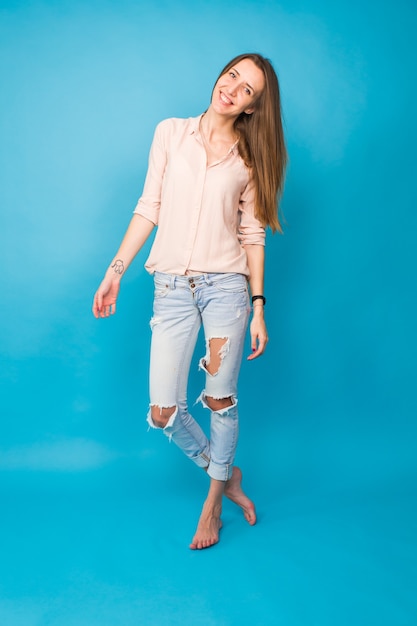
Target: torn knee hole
{"x":217,"y":348}
{"x":161,"y":415}
{"x":216,"y":404}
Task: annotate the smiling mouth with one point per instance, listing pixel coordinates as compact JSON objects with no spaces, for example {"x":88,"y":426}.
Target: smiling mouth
{"x":225,"y":99}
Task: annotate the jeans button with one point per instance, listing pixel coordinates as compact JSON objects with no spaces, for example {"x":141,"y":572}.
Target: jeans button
{"x":192,"y":285}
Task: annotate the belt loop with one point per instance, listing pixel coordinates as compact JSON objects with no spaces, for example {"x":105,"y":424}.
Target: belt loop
{"x":172,"y":277}
{"x":207,"y":279}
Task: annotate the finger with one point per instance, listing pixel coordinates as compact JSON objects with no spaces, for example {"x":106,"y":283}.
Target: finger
{"x":260,"y":349}
{"x":254,"y":341}
{"x":255,"y":350}
{"x":255,"y":354}
{"x":96,"y":309}
{"x":99,"y":300}
{"x":254,"y":346}
{"x":262,"y":344}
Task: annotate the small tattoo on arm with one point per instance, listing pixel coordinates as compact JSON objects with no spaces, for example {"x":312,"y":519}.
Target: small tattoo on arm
{"x":118,"y":266}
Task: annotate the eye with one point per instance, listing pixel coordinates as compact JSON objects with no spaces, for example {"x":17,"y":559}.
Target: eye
{"x":232,"y":74}
{"x":247,"y":91}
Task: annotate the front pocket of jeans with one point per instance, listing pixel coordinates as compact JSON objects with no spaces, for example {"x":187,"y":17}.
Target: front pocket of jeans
{"x":231,"y":285}
{"x":161,"y":289}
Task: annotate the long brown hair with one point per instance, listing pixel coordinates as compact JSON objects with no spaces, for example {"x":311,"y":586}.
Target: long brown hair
{"x":261,"y":143}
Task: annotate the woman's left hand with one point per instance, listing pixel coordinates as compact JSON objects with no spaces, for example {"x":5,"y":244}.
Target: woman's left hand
{"x":259,"y":336}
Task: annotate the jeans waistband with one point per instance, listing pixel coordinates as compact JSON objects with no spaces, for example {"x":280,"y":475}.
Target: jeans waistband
{"x":195,"y":279}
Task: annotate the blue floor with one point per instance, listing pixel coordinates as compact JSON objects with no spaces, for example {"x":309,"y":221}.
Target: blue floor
{"x":335,"y":544}
{"x":96,"y":514}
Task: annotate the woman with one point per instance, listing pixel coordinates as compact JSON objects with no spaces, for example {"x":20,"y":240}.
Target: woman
{"x":211,"y":188}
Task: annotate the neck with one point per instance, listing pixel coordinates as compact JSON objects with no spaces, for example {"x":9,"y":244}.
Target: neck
{"x":217,"y":126}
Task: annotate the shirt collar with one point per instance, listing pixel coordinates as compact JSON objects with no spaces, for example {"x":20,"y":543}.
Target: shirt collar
{"x":195,"y":130}
{"x":195,"y":125}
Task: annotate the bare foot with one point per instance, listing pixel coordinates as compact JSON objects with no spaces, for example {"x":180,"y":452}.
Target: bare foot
{"x":207,"y":533}
{"x":233,"y":490}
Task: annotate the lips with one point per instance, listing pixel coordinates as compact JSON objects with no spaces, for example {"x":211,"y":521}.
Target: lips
{"x":225,"y":99}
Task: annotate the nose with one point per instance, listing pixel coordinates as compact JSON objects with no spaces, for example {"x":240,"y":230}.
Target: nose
{"x":231,"y":89}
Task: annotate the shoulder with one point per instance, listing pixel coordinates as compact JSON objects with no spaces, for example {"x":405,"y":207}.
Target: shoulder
{"x":177,"y":125}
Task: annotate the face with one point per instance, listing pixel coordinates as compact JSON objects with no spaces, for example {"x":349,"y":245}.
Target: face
{"x":237,"y":90}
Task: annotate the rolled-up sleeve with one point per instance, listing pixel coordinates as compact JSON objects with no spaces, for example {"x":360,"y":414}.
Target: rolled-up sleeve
{"x":250,"y":229}
{"x":150,"y":201}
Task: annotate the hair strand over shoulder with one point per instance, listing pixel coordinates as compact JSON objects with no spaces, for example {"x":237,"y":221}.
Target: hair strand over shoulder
{"x":262,"y":144}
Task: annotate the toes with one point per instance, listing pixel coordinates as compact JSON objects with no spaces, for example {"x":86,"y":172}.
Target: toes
{"x":204,"y":543}
{"x":250,"y":515}
{"x":251,"y":518}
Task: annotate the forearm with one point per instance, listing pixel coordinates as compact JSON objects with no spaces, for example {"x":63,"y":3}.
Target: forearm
{"x":136,"y":235}
{"x":104,"y":303}
{"x":256,"y":263}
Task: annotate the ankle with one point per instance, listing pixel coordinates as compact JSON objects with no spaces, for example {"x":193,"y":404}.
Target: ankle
{"x":212,"y":507}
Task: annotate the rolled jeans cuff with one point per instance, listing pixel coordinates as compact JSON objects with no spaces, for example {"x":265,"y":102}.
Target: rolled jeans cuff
{"x":220,"y":472}
{"x":202,"y":459}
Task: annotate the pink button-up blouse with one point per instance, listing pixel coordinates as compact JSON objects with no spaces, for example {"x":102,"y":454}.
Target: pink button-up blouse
{"x":204,"y":214}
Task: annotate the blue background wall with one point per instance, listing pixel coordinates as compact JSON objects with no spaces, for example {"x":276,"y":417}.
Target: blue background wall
{"x":328,"y":414}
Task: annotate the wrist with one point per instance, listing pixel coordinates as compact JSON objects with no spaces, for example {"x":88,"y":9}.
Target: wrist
{"x":116,"y":270}
{"x":256,"y":299}
{"x":258,"y":309}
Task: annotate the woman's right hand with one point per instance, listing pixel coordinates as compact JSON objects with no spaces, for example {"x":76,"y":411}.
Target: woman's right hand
{"x":139,"y":229}
{"x":104,"y":303}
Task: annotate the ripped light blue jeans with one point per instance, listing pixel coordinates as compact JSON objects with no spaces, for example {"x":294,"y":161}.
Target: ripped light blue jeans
{"x":220,"y":303}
